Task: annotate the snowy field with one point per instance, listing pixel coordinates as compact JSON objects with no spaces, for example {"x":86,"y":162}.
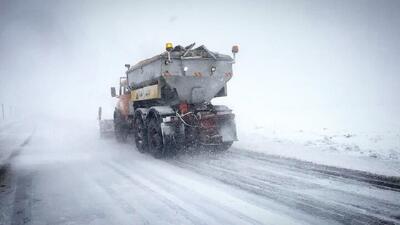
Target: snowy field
{"x":377,"y":152}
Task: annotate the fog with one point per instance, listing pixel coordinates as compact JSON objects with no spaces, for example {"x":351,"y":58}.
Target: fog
{"x":315,"y":91}
{"x":301,"y":64}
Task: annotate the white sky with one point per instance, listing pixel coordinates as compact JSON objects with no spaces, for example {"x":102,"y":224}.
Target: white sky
{"x":302,"y":64}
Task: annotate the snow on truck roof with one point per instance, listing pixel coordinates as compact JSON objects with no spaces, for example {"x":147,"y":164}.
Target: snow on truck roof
{"x":187,"y":52}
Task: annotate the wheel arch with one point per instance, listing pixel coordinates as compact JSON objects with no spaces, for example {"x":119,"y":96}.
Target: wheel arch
{"x":141,"y":112}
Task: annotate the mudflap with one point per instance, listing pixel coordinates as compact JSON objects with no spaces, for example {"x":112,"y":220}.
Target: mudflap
{"x":227,"y":130}
{"x":170,"y":133}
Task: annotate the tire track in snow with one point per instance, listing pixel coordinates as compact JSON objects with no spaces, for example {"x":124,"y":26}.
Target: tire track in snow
{"x":380,"y":181}
{"x":119,"y":200}
{"x":222,"y":213}
{"x":166,"y":198}
{"x":23,"y":199}
{"x":293,"y":178}
{"x":285,"y":196}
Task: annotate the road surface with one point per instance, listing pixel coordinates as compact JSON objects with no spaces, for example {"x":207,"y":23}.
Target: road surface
{"x":62,"y":173}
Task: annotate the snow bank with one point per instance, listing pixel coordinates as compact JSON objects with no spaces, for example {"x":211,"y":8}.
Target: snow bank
{"x":377,"y":152}
{"x":12,"y":136}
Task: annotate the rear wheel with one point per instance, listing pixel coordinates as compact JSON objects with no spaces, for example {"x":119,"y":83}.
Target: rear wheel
{"x":155,"y":140}
{"x":140,"y":134}
{"x":224,"y":146}
{"x":220,"y":147}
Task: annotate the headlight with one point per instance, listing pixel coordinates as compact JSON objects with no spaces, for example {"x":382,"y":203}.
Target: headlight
{"x":213,"y":69}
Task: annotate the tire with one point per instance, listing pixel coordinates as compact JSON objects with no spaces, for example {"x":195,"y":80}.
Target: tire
{"x":155,"y":140}
{"x":121,"y":134}
{"x":140,"y":134}
{"x":224,"y":146}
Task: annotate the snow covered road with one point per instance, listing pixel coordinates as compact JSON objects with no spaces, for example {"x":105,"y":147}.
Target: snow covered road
{"x":65,"y":174}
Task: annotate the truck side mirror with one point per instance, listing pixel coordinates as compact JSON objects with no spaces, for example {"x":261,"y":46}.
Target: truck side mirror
{"x":113,"y":93}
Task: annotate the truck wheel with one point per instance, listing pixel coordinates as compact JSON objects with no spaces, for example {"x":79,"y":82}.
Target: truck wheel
{"x":224,"y":146}
{"x":120,"y":133}
{"x":155,"y":140}
{"x":140,"y":134}
{"x":124,"y":136}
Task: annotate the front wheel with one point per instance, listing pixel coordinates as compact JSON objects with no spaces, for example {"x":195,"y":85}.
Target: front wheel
{"x":120,"y":133}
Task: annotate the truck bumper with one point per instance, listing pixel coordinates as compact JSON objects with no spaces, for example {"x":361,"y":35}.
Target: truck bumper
{"x":211,"y":130}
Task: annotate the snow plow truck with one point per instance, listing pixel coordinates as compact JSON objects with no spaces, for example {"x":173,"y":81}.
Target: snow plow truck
{"x":164,"y":102}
